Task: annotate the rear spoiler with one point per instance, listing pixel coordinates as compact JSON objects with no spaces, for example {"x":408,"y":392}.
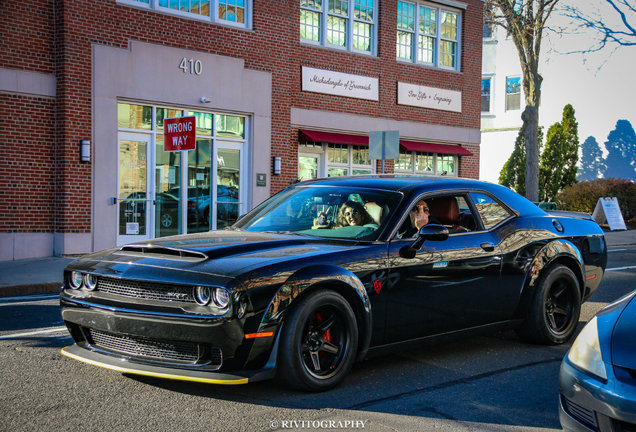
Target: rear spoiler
{"x":570,"y":214}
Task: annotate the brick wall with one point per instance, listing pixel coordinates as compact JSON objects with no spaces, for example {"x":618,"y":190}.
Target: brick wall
{"x":27,"y":160}
{"x":58,"y":39}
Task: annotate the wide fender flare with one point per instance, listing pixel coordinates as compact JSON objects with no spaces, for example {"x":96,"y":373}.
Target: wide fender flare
{"x":313,"y":277}
{"x":558,"y":250}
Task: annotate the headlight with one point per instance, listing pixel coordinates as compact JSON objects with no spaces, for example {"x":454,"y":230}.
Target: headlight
{"x":221,"y":297}
{"x":586,"y":352}
{"x":76,"y":280}
{"x":202,"y":295}
{"x":90,"y":281}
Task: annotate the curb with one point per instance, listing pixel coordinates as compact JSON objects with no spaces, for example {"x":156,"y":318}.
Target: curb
{"x":30,"y":289}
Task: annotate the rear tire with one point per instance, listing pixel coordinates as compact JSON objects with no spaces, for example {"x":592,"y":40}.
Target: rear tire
{"x":555,"y":309}
{"x":318,"y":343}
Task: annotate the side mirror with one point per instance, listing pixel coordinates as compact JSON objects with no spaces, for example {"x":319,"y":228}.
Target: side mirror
{"x":430,"y":232}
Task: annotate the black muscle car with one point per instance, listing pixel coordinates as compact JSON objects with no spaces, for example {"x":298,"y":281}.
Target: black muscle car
{"x":325,"y":273}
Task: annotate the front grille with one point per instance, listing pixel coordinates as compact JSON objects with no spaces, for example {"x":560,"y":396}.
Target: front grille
{"x":139,"y":347}
{"x":145,"y":290}
{"x":627,"y":427}
{"x":582,"y":414}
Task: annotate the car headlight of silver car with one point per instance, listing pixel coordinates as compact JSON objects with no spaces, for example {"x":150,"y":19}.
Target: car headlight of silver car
{"x":76,"y":280}
{"x":586,"y":351}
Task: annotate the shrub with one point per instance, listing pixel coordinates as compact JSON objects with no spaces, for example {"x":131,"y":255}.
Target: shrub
{"x":583,"y":196}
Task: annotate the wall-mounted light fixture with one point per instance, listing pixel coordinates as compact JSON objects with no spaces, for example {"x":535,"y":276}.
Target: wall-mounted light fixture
{"x":85,"y":150}
{"x":205,"y":100}
{"x":277,"y":165}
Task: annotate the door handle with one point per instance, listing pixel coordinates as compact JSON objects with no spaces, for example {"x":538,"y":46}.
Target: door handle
{"x":488,"y":247}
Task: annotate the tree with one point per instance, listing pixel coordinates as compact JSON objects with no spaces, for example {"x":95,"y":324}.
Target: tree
{"x":525,"y":21}
{"x":616,"y":34}
{"x":558,"y":161}
{"x":592,"y":165}
{"x":621,"y":147}
{"x":513,"y":173}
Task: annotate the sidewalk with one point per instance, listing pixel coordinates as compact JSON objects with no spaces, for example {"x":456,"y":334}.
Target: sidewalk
{"x":35,"y":275}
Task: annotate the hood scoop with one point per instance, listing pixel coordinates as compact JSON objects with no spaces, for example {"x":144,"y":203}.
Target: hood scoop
{"x":162,"y":252}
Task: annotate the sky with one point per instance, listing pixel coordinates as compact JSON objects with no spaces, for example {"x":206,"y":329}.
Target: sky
{"x":600,"y":86}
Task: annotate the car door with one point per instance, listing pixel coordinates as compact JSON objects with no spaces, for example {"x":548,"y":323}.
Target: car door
{"x":448,"y":285}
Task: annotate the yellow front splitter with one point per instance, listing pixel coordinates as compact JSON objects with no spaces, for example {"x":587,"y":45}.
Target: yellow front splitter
{"x":101,"y":360}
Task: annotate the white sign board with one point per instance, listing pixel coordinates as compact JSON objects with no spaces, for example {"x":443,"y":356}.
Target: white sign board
{"x":429,"y":97}
{"x":132,"y":228}
{"x":608,"y":209}
{"x":340,"y":84}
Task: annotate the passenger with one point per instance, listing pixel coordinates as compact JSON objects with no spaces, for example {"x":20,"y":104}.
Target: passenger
{"x":419,"y":216}
{"x":353,"y":213}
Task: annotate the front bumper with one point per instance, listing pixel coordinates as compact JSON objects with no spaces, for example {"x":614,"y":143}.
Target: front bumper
{"x":588,"y":404}
{"x":122,"y":365}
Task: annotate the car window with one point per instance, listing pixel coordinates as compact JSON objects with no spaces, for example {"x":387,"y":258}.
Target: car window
{"x":334,"y":212}
{"x":490,"y":211}
{"x":452,"y":211}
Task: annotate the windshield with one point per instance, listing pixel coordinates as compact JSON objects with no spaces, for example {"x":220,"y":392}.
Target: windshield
{"x":324,"y":211}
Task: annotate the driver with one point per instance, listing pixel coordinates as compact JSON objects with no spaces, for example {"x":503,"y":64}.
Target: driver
{"x":419,"y":216}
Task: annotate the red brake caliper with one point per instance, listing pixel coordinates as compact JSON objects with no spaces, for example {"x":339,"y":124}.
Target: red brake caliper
{"x":327,"y":334}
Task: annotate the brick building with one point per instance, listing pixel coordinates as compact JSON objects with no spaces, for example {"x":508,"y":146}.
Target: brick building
{"x":280,"y":90}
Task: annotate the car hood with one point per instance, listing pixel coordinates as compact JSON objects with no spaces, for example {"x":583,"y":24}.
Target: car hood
{"x":226,"y":253}
{"x":624,"y":338}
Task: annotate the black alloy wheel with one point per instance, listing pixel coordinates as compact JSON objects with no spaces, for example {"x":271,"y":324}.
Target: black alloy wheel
{"x":555,"y":309}
{"x":318,"y":343}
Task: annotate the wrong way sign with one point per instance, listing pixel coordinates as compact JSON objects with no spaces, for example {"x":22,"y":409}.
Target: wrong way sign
{"x":179,"y":134}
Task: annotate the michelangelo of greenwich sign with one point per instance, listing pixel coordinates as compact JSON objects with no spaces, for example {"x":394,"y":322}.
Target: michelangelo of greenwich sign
{"x":340,"y":84}
{"x":429,"y":97}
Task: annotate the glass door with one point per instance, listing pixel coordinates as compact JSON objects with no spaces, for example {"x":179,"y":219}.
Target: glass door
{"x":199,"y":190}
{"x":167,"y":185}
{"x":228,"y":196}
{"x":308,"y":166}
{"x":134,"y":196}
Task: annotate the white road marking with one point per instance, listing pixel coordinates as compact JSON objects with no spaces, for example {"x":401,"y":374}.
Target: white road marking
{"x":620,"y":268}
{"x":33,"y":333}
{"x":26,"y":299}
{"x":616,"y":250}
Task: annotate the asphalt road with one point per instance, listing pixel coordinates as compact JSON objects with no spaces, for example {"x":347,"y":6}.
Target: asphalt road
{"x":493,"y":383}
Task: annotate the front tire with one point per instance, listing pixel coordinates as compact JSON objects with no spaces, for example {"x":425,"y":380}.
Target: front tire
{"x":318,"y":342}
{"x":555,"y":309}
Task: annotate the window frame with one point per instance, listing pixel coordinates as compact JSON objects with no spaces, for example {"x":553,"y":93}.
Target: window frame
{"x":510,"y":94}
{"x":323,"y":18}
{"x":491,"y":99}
{"x":415,"y":35}
{"x":434,"y":172}
{"x":322,"y":149}
{"x":154,"y":6}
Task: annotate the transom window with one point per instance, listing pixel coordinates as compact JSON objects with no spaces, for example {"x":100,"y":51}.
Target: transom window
{"x":232,"y":12}
{"x":344,"y":24}
{"x":426,"y":163}
{"x":428,"y":34}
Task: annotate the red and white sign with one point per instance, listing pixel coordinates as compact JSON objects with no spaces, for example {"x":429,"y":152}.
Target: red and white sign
{"x":179,"y":134}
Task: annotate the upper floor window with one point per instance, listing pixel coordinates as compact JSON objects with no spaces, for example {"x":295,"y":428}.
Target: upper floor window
{"x":428,"y":34}
{"x":344,"y":24}
{"x":232,"y":12}
{"x":513,"y":93}
{"x":485,"y":95}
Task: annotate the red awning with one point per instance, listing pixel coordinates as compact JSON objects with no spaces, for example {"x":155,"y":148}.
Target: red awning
{"x":435,"y":148}
{"x":333,"y":138}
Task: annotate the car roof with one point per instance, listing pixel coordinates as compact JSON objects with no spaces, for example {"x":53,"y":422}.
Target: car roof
{"x":422,"y":184}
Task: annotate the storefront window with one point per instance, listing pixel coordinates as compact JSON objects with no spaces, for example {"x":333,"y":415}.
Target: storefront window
{"x":341,"y":160}
{"x":203,"y":123}
{"x":426,"y":163}
{"x":164,"y":113}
